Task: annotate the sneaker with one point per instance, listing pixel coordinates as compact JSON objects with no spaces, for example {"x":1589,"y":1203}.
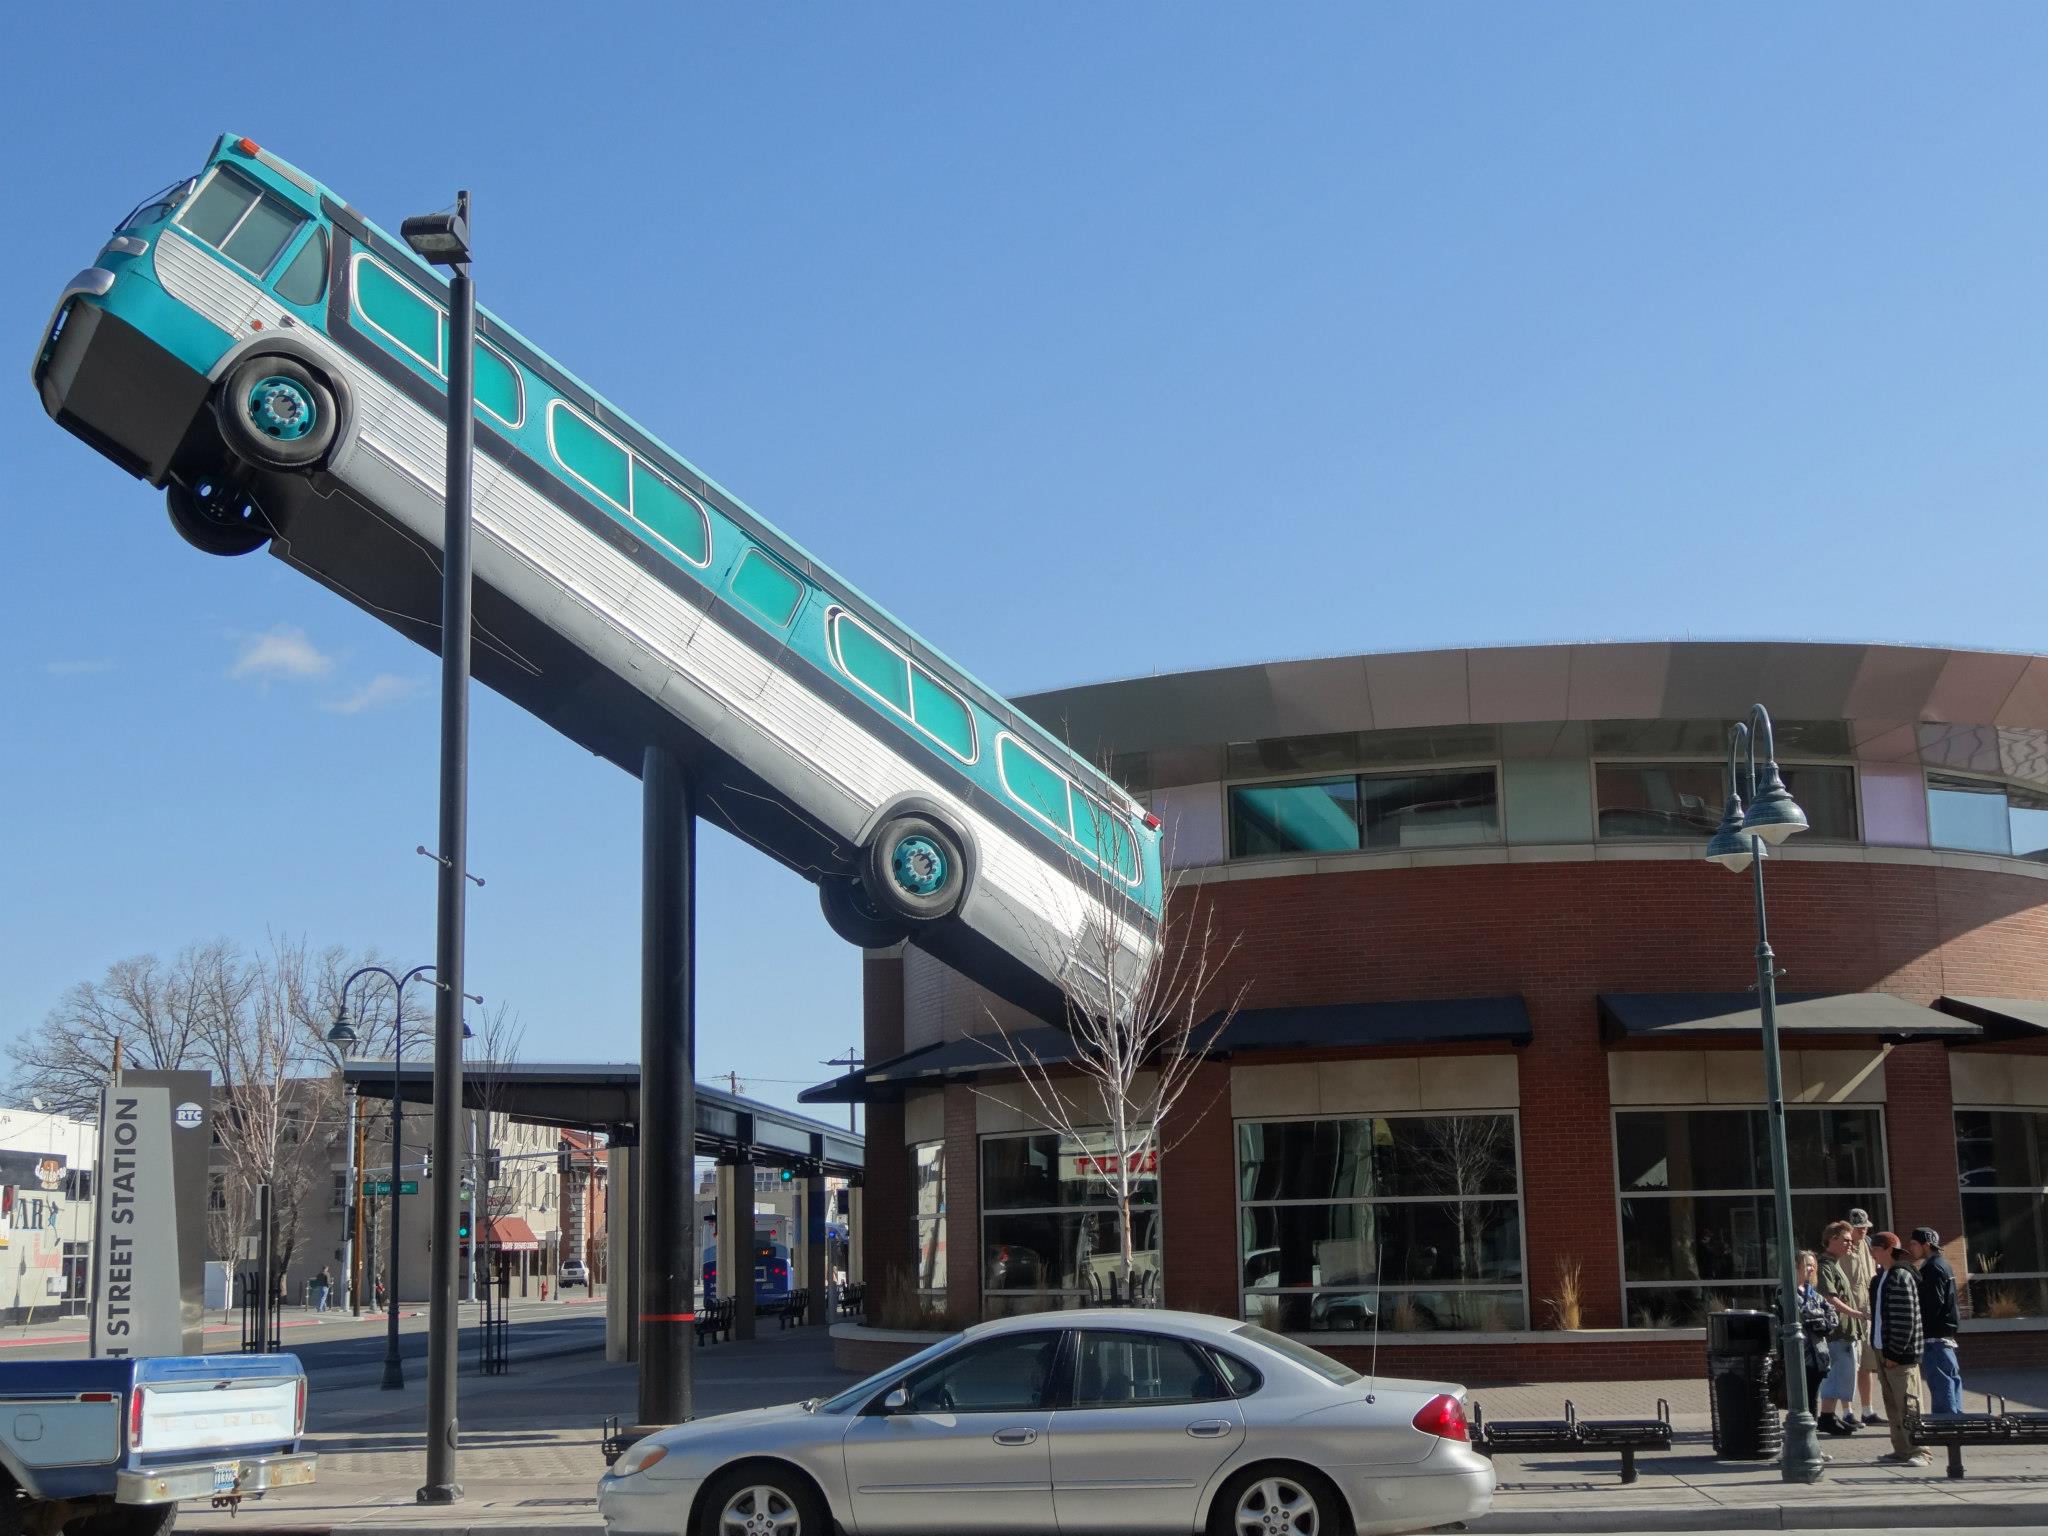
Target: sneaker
{"x":1872,"y":1416}
{"x":1849,"y":1422}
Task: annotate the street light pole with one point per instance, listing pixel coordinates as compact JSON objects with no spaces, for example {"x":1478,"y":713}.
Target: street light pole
{"x":443,"y":239}
{"x":1742,"y":841}
{"x":351,"y":1197}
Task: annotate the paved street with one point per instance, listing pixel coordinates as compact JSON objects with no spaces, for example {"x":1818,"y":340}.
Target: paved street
{"x":530,"y":1456}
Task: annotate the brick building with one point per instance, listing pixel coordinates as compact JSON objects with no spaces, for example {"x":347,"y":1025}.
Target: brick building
{"x":1499,"y":1049}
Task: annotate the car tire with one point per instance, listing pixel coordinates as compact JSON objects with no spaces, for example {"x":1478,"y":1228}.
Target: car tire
{"x":216,"y":520}
{"x":129,"y":1520}
{"x":777,"y":1488}
{"x":915,"y":869}
{"x":1332,"y":1517}
{"x":855,"y":916}
{"x":277,"y":412}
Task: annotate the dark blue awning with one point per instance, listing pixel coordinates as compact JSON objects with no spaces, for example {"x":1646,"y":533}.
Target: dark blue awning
{"x":1801,"y":1016}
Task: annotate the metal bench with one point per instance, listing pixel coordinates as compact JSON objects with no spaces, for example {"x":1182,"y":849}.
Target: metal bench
{"x":1572,"y":1434}
{"x":797,"y":1308}
{"x":714,"y":1320}
{"x":852,"y":1297}
{"x":1995,"y":1426}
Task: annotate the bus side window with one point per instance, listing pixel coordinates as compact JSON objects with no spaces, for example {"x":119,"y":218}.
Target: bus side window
{"x":238,"y":219}
{"x":306,"y":278}
{"x":498,"y":388}
{"x":1103,"y":834}
{"x":401,"y":313}
{"x":1033,"y":784}
{"x":590,"y":456}
{"x":870,"y":663}
{"x":671,"y":515}
{"x":764,"y":586}
{"x":939,"y":710}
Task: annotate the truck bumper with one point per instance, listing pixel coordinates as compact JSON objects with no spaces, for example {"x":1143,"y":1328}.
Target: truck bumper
{"x":204,"y":1479}
{"x":102,"y":379}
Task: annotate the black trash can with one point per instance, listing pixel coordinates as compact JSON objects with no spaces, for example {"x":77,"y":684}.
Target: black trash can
{"x":1739,"y":1346}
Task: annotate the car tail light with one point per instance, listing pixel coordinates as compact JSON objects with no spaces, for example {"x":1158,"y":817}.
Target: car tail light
{"x":1442,"y":1416}
{"x":299,"y":1411}
{"x":135,"y":1421}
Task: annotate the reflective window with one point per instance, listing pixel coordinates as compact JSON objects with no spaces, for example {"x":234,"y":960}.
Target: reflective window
{"x":1409,"y":1222}
{"x":1698,"y":1220}
{"x":261,"y":237}
{"x":1033,"y":783}
{"x":928,"y":1212}
{"x":671,"y":515}
{"x":872,"y":664}
{"x":1050,"y":1235}
{"x":1317,"y":816}
{"x":1123,"y":1370}
{"x":764,"y":586}
{"x":1985,"y":816}
{"x":1684,"y":801}
{"x":244,"y":223}
{"x":1000,"y":1375}
{"x":2002,"y":1158}
{"x":497,"y":386}
{"x":939,"y":710}
{"x":1105,"y":836}
{"x":400,"y":311}
{"x":306,"y":278}
{"x":1429,"y":810}
{"x":587,"y":453}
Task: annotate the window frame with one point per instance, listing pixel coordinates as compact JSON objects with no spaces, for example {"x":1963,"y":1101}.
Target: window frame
{"x":918,"y":1219}
{"x":1067,"y":833}
{"x":1520,"y":1197}
{"x":1765,"y":1285}
{"x":838,"y":612}
{"x":1856,"y":835}
{"x":1964,"y":1191}
{"x":633,"y":462}
{"x":1055,"y":1383}
{"x":1155,"y":1208}
{"x":221,"y":168}
{"x":760,"y":552}
{"x":2005,"y":787}
{"x":438,"y":366}
{"x":1081,"y":1333}
{"x":1496,"y":765}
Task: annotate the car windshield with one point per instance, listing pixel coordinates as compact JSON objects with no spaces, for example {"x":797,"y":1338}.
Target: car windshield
{"x":860,"y":1392}
{"x":1333,"y":1371}
{"x":158,"y":205}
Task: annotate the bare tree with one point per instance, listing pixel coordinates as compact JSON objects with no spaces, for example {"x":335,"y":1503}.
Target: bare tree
{"x":497,"y":1045}
{"x":1139,"y":1019}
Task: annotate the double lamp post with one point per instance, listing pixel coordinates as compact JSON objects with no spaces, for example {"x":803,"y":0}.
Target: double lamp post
{"x":1743,"y":841}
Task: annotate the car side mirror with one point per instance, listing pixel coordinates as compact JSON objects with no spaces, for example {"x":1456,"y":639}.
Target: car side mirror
{"x":897,"y":1400}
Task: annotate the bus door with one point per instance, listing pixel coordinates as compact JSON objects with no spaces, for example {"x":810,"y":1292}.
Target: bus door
{"x":746,"y":646}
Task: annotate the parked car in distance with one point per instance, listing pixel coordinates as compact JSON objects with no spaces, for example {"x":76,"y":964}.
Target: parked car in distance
{"x":575,"y":1272}
{"x":1110,"y":1419}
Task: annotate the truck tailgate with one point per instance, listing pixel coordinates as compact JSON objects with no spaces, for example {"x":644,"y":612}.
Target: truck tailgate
{"x":179,"y":1417}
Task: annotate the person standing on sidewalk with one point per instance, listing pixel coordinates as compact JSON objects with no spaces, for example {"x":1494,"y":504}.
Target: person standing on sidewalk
{"x":1838,"y":1392}
{"x":1897,"y":1340}
{"x":1861,"y":1268}
{"x":1942,"y":1319}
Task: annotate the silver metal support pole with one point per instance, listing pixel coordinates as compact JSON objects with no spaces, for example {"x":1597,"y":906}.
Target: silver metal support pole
{"x":348,"y":1212}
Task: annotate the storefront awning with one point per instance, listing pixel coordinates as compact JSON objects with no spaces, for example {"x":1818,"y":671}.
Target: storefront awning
{"x":1801,"y":1016}
{"x":511,"y":1234}
{"x":1330,"y":1027}
{"x":2002,"y":1018}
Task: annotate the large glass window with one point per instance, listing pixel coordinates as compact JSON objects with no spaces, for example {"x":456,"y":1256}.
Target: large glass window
{"x":1438,"y":808}
{"x":1985,"y":816}
{"x":1683,"y":801}
{"x":1033,"y":783}
{"x":400,"y":311}
{"x":306,"y":278}
{"x":2002,"y":1155}
{"x":1413,"y":1222}
{"x":244,"y":223}
{"x":671,"y":515}
{"x":928,"y":1213}
{"x":1049,"y":1222}
{"x":590,"y":455}
{"x":1698,"y":1220}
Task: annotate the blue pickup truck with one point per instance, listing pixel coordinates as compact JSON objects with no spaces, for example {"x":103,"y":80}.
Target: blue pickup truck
{"x":109,"y":1447}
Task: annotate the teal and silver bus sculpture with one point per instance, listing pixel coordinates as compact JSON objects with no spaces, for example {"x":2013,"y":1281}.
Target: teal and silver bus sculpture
{"x":254,"y":346}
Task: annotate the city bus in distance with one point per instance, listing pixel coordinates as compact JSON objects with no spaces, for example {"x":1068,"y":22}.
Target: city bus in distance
{"x":275,"y":363}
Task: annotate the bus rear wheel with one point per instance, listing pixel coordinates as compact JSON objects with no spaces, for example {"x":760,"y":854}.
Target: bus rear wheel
{"x":277,"y":412}
{"x":215,"y":519}
{"x":915,"y":869}
{"x":856,"y":918}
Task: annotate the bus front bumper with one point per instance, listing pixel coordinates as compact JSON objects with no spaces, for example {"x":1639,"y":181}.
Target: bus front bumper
{"x":232,"y":1475}
{"x":105,"y":381}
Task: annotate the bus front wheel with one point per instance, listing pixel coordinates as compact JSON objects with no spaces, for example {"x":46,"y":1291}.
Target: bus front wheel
{"x":276,"y":412}
{"x":916,"y":869}
{"x":855,"y":917}
{"x":216,"y":520}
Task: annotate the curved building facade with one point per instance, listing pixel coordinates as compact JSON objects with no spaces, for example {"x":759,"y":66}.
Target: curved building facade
{"x":1494,"y":1088}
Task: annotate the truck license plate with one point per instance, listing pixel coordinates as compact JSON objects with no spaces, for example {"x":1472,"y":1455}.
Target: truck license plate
{"x":225,"y":1475}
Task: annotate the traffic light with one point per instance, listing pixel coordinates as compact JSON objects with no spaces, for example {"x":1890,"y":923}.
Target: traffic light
{"x":462,"y":1226}
{"x":789,"y":1175}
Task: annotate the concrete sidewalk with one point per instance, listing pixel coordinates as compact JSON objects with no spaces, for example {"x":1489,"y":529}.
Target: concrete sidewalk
{"x":530,"y":1458}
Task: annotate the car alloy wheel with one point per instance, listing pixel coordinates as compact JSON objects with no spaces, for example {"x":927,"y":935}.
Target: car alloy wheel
{"x":1278,"y":1506}
{"x":760,"y":1511}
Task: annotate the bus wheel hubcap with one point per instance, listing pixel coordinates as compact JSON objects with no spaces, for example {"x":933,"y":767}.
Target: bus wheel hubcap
{"x":281,"y":408}
{"x":919,"y":865}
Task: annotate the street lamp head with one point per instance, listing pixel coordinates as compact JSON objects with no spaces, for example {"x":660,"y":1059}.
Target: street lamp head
{"x":440,"y":238}
{"x":342,"y":1033}
{"x":1731,"y":847}
{"x":467,"y":1032}
{"x":1773,"y":814}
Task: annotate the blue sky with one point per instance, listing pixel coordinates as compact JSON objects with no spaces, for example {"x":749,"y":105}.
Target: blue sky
{"x":1092,"y":340}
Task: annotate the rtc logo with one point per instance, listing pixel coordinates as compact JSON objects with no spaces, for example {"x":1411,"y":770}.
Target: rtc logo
{"x":188,"y":1116}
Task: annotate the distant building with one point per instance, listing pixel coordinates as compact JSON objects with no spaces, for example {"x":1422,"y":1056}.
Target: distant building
{"x":46,"y":1214}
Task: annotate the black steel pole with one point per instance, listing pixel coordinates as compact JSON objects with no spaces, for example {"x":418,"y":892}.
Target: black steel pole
{"x":394,"y":1373}
{"x":663,"y":1188}
{"x":265,"y":1258}
{"x":443,"y":1324}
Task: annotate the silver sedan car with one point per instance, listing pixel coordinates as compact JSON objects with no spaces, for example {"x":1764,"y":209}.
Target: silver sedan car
{"x":1093,"y":1423}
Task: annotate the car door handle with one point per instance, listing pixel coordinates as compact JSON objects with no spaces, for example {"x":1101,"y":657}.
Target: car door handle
{"x":1015,"y":1436}
{"x":1209,"y":1429}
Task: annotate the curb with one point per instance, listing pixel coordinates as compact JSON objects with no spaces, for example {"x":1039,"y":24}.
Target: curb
{"x":1816,"y":1516}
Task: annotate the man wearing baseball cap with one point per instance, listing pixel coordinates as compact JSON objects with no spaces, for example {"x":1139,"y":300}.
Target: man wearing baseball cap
{"x":1941,"y":1318}
{"x":1897,"y":1341}
{"x":1861,"y":1270}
